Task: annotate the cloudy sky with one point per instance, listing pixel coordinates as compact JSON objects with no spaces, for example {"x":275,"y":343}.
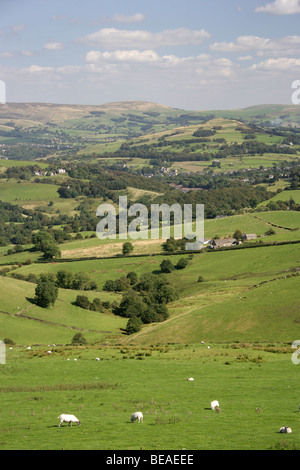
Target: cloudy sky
{"x":187,"y":54}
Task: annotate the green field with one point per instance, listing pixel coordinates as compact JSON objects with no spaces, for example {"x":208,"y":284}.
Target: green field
{"x":24,"y":192}
{"x":284,"y":196}
{"x":37,"y":387}
{"x":234,"y":312}
{"x":249,"y":293}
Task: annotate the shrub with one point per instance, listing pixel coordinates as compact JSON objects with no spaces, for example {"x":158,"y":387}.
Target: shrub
{"x":182,"y":263}
{"x":78,"y":338}
{"x":83,"y":302}
{"x":166,"y":266}
{"x":133,"y":325}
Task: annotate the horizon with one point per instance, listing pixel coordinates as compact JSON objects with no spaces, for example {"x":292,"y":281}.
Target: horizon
{"x":146,"y":102}
{"x":192,"y":56}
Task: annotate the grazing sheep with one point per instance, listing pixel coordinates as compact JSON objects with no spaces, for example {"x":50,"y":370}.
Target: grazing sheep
{"x":214,"y":404}
{"x":285,"y":429}
{"x":137,"y":416}
{"x":190,"y":379}
{"x":68,"y":419}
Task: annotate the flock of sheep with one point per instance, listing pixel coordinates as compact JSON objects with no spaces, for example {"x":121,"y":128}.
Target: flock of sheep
{"x":138,"y":415}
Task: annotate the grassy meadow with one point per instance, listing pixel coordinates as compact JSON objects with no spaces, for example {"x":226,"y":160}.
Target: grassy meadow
{"x":37,"y":387}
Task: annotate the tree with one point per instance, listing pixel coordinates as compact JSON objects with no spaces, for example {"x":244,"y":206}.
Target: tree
{"x":166,"y":266}
{"x":64,"y":279}
{"x":78,"y":338}
{"x":83,"y":302}
{"x":131,"y":305}
{"x":44,"y":241}
{"x":127,"y":248}
{"x":133,"y":325}
{"x":237,"y":235}
{"x":182,"y":263}
{"x":52,"y":251}
{"x":133,"y":277}
{"x":46,"y":291}
{"x":96,"y":305}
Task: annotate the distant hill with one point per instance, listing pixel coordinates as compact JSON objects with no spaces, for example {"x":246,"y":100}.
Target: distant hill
{"x":61,"y":113}
{"x":103,"y":128}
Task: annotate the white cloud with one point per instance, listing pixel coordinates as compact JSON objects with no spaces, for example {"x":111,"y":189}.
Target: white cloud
{"x":280,"y":64}
{"x":129,"y":19}
{"x":7,"y":55}
{"x":245,"y":57}
{"x":53,"y":46}
{"x":122,"y":56}
{"x":120,"y":18}
{"x":288,"y":45}
{"x":38,"y":69}
{"x":281,"y":7}
{"x":70,"y":69}
{"x":150,"y":62}
{"x":112,"y":38}
{"x":27,"y":53}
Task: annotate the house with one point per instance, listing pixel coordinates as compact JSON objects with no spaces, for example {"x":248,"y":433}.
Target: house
{"x":218,"y":243}
{"x":61,"y":170}
{"x":249,"y":236}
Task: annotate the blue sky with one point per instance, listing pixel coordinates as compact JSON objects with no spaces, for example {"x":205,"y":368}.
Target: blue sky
{"x":191,"y":54}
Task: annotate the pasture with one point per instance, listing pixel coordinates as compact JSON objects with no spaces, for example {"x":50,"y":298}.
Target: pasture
{"x":249,"y":293}
{"x":37,"y":387}
{"x":24,"y":192}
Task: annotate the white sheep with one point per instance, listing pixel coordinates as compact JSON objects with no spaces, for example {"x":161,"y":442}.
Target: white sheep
{"x":214,"y":404}
{"x":190,"y":379}
{"x":285,"y":429}
{"x":68,"y":419}
{"x":138,"y":415}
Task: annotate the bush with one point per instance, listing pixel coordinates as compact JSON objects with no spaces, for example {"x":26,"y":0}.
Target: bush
{"x":127,"y":248}
{"x":78,"y":338}
{"x":46,"y":291}
{"x":83,"y":302}
{"x":182,"y":263}
{"x":133,"y":325}
{"x":166,"y":266}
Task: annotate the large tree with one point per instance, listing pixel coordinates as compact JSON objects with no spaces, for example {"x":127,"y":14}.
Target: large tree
{"x":44,"y":241}
{"x":46,"y":291}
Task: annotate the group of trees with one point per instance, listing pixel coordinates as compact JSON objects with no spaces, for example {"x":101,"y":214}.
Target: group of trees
{"x":47,"y":285}
{"x":122,"y":284}
{"x":146,"y":301}
{"x":44,"y":242}
{"x":96,"y":305}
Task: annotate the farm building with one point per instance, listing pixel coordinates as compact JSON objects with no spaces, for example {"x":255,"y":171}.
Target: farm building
{"x":249,"y":236}
{"x":223,"y":242}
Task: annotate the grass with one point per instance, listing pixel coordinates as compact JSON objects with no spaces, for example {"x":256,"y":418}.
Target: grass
{"x":288,"y":219}
{"x":284,"y":196}
{"x":36,"y":388}
{"x":23,"y":192}
{"x":26,"y":323}
{"x":228,"y":295}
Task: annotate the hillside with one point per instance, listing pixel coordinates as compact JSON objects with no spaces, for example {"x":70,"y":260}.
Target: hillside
{"x":60,"y":126}
{"x":60,"y":162}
